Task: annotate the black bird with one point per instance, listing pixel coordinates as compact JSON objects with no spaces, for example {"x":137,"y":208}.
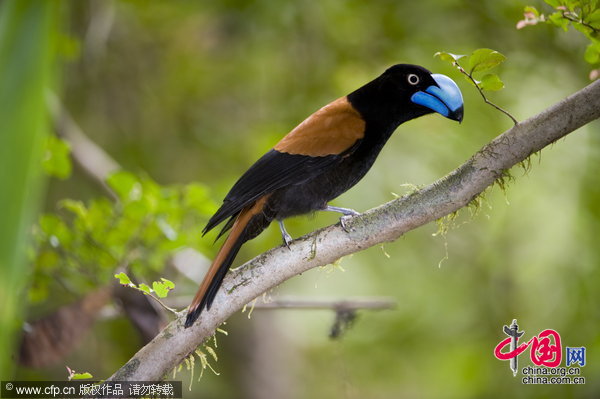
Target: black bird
{"x":322,"y":158}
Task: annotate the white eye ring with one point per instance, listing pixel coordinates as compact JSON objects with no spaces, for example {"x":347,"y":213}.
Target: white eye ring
{"x":413,"y":79}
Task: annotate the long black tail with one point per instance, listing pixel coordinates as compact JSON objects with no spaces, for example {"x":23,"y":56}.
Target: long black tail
{"x":213,"y":280}
{"x":248,"y":224}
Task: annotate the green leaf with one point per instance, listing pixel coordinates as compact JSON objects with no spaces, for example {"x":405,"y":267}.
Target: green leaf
{"x":100,"y":213}
{"x":81,"y":376}
{"x":587,"y":31}
{"x":571,"y":4}
{"x":558,"y":20}
{"x":143,"y":287}
{"x":75,"y":207}
{"x":593,"y":18}
{"x":134,"y":212}
{"x":484,"y":59}
{"x":56,"y":161}
{"x":123,"y":278}
{"x":161,"y":290}
{"x":553,"y":3}
{"x":168,"y":283}
{"x":532,"y":10}
{"x":55,"y":230}
{"x":448,"y":57}
{"x":592,"y":53}
{"x":126,"y":185}
{"x":491,"y":82}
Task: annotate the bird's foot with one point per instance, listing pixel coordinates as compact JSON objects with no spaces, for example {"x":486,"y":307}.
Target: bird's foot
{"x":287,"y":238}
{"x":347,"y":212}
{"x":344,"y":211}
{"x":344,"y":219}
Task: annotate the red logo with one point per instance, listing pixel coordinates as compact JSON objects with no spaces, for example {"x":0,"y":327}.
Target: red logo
{"x":546,"y":349}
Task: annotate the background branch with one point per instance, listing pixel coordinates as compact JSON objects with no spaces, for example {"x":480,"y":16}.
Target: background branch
{"x":384,"y":223}
{"x":93,"y":160}
{"x":289,"y":302}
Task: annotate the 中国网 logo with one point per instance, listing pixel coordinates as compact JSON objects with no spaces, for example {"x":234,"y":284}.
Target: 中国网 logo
{"x":546,"y":354}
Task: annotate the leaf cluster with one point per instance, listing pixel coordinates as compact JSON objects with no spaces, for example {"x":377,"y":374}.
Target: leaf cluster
{"x":160,"y":288}
{"x":583,"y":15}
{"x":82,"y":244}
{"x":479,"y":62}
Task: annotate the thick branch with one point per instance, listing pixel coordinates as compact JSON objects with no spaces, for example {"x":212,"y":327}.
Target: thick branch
{"x":385,"y":223}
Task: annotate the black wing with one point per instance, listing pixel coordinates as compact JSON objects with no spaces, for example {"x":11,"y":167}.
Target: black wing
{"x":272,"y":171}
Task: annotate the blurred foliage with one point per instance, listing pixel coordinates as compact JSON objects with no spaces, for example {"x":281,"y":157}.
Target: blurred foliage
{"x":583,"y":15}
{"x":27,"y":67}
{"x":80,"y":247}
{"x":56,"y":160}
{"x":181,"y":92}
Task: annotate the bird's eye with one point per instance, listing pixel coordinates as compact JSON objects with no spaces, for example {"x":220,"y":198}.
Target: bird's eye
{"x":413,"y":79}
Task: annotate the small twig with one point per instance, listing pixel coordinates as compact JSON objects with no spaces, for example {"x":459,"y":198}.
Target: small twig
{"x":575,"y":18}
{"x":159,"y":301}
{"x":494,"y":105}
{"x":470,"y":76}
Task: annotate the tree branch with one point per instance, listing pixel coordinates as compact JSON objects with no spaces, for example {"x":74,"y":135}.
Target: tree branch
{"x":301,"y":303}
{"x":94,"y":161}
{"x":384,"y":223}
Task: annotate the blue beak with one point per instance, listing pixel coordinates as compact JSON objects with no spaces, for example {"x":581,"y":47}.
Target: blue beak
{"x":445,"y":98}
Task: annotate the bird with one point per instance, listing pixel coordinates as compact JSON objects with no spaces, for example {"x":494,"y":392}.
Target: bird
{"x":323,"y":157}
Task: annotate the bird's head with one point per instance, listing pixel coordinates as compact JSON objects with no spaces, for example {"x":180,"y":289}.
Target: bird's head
{"x":405,"y":92}
{"x":427,"y":91}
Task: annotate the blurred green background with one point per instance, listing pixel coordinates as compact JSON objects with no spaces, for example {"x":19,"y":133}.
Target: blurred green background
{"x":193,"y":91}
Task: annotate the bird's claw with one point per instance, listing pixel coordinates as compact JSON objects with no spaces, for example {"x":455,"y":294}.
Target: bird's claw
{"x":345,"y":218}
{"x":287,"y":240}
